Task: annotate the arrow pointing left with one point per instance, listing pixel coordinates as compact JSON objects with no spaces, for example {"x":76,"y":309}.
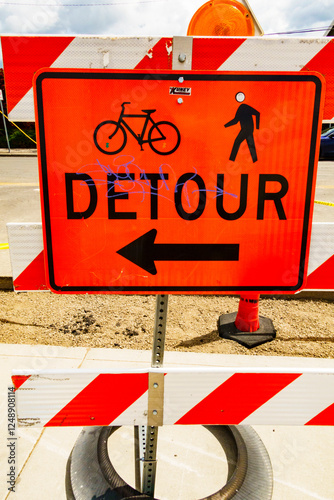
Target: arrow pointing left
{"x":144,"y":252}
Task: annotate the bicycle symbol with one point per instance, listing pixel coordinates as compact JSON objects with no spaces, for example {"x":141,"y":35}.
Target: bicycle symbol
{"x":110,"y":136}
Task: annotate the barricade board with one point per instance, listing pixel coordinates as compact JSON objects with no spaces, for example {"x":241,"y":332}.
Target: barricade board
{"x":24,"y":55}
{"x":204,"y":184}
{"x":190,"y":396}
{"x":27,"y":257}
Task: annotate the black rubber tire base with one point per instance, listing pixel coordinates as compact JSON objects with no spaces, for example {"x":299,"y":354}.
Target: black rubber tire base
{"x":228,"y":330}
{"x":90,"y":474}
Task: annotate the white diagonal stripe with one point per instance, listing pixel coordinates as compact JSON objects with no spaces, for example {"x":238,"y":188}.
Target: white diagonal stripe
{"x":92,"y":52}
{"x":41,"y":397}
{"x":297,"y":403}
{"x":184,"y":390}
{"x":23,"y":111}
{"x":136,"y":414}
{"x":322,"y":245}
{"x":267,"y":54}
{"x":25,"y":244}
{"x":100,"y":53}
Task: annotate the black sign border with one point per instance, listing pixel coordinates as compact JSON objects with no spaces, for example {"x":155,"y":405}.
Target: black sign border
{"x":170,"y":75}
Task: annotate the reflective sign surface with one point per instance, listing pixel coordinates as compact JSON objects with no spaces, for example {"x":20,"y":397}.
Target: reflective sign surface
{"x":168,"y":182}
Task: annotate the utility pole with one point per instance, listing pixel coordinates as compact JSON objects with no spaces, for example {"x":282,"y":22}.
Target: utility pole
{"x":4,"y":121}
{"x":330,"y":31}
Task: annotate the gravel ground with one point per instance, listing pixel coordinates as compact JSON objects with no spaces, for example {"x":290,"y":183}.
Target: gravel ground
{"x":303,"y":327}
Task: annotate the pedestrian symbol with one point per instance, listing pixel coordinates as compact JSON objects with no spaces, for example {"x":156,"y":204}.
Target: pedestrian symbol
{"x":244,"y":116}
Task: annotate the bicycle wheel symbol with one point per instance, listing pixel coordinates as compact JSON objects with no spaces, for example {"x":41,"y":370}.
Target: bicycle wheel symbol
{"x":164,"y":138}
{"x":110,"y":137}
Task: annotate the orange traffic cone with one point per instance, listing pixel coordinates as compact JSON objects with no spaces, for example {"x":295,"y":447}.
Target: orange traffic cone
{"x":247,"y":319}
{"x":246,"y":326}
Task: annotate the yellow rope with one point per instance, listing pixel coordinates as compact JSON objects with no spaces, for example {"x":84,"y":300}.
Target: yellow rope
{"x":18,"y":127}
{"x":4,"y":246}
{"x":325,"y":203}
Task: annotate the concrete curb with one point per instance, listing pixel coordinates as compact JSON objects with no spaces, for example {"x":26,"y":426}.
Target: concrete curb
{"x":18,"y":152}
{"x":306,"y":295}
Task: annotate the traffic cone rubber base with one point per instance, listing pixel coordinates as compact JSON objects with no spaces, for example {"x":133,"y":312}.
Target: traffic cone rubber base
{"x":228,"y":330}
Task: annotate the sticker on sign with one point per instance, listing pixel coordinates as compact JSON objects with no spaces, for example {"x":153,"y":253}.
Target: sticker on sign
{"x":143,"y":192}
{"x":180,"y":90}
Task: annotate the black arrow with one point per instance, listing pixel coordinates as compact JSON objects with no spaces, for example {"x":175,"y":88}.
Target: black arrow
{"x":144,"y":252}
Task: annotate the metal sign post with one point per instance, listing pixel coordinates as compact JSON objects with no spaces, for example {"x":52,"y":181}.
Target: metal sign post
{"x":4,"y":121}
{"x":148,"y":436}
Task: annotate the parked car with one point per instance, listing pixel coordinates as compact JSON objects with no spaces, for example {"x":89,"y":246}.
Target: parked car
{"x":327,"y":144}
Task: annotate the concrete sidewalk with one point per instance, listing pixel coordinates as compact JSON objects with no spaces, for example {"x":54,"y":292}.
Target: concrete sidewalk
{"x":302,"y":457}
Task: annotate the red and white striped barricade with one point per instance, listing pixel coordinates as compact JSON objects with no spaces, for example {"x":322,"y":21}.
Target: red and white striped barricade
{"x":320,"y":271}
{"x":190,"y":396}
{"x":24,"y":55}
{"x":27,"y":257}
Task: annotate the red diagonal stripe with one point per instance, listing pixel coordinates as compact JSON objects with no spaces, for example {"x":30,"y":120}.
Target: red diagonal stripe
{"x":322,"y":278}
{"x":33,"y":276}
{"x":18,"y":380}
{"x":159,"y":56}
{"x":23,"y":56}
{"x":103,"y":400}
{"x":326,"y":417}
{"x":237,"y":398}
{"x":323,"y":63}
{"x":211,"y":53}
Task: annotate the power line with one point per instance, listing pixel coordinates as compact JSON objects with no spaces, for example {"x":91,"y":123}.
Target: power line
{"x":79,"y":4}
{"x":305,"y":30}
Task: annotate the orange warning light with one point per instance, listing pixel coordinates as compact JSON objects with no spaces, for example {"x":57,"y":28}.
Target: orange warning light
{"x":222,"y":18}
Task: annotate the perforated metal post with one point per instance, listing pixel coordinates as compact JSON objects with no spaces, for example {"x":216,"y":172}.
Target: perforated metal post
{"x":181,"y":45}
{"x":159,"y":331}
{"x":148,"y":436}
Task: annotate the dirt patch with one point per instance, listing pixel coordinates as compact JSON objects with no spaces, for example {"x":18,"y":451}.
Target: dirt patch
{"x":81,"y":323}
{"x":303,"y":327}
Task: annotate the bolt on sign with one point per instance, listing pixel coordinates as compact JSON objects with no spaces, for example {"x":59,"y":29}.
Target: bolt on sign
{"x":184,"y":182}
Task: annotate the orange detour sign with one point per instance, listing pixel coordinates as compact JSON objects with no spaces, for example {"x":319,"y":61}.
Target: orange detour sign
{"x":193,"y":182}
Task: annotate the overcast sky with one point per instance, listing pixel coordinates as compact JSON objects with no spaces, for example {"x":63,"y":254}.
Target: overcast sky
{"x":148,"y":17}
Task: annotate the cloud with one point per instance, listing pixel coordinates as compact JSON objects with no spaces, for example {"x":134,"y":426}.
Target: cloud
{"x":312,"y":15}
{"x":130,"y":18}
{"x":285,"y":15}
{"x":28,"y":19}
{"x":88,"y":20}
{"x":147,"y":17}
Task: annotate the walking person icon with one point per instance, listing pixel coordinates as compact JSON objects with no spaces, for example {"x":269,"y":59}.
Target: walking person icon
{"x":244,"y":116}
